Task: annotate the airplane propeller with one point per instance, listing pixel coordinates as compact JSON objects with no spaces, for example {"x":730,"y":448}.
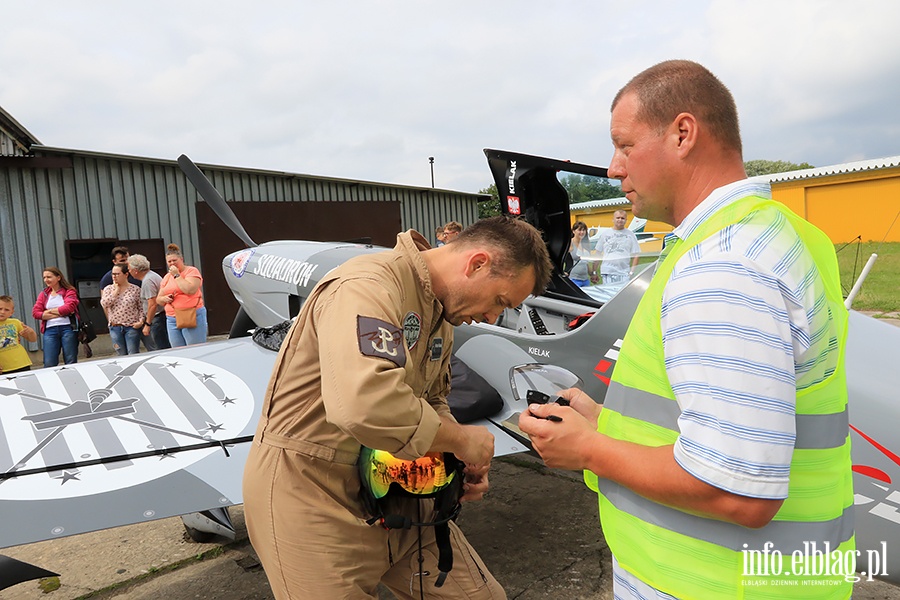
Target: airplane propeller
{"x":214,"y":199}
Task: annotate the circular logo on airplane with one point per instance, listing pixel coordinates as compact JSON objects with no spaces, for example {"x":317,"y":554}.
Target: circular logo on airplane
{"x":240,"y":261}
{"x":107,"y":425}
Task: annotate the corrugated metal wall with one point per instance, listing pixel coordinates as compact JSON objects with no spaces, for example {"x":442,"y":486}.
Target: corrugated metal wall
{"x":8,"y":145}
{"x":423,"y":209}
{"x":121,"y":197}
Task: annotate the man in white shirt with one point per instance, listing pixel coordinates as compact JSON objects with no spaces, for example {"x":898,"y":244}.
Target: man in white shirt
{"x":619,"y":249}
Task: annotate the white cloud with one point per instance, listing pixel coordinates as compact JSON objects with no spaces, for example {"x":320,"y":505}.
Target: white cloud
{"x":369,"y":90}
{"x":813,"y":80}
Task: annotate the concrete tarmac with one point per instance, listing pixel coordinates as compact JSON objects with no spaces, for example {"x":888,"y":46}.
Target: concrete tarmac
{"x":537,"y":531}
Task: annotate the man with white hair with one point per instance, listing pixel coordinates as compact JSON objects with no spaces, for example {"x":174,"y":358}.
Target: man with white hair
{"x":154,"y":329}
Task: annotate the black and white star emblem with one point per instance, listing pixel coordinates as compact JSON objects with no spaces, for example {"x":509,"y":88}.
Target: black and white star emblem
{"x":212,"y":427}
{"x":66,"y":475}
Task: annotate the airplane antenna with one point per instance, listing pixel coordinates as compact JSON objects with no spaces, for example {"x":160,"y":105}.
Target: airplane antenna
{"x":862,"y":277}
{"x":214,"y":199}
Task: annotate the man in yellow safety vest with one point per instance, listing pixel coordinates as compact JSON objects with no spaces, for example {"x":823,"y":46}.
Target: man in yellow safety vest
{"x":721,"y":456}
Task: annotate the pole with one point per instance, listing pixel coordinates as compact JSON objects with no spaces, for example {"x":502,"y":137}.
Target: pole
{"x":862,"y":277}
{"x":431,"y":162}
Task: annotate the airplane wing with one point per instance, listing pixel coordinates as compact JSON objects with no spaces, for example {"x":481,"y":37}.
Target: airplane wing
{"x":872,"y":381}
{"x":127,"y":439}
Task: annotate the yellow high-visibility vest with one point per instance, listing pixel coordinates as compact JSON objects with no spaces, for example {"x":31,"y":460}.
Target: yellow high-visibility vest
{"x":689,"y":556}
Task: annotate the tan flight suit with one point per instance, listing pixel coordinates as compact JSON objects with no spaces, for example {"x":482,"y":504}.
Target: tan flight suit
{"x":367,"y":362}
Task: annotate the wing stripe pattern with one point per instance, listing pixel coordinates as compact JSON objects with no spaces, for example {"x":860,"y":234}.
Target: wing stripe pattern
{"x":56,"y":452}
{"x":6,"y":459}
{"x":145,"y":412}
{"x":177,"y":387}
{"x":102,"y":435}
{"x":54,"y":422}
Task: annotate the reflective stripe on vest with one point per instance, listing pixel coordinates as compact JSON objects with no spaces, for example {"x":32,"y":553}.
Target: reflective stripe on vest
{"x":784,"y":536}
{"x":813,"y":431}
{"x":694,"y":557}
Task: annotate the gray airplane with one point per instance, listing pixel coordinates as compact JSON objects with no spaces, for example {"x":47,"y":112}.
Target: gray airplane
{"x":130,"y":439}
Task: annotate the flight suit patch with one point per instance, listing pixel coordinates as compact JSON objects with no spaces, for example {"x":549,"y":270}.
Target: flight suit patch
{"x":380,"y":338}
{"x":437,"y":348}
{"x":412,"y":329}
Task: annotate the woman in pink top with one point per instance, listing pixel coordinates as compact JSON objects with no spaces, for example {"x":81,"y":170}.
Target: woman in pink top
{"x":57,"y":307}
{"x":180,"y":288}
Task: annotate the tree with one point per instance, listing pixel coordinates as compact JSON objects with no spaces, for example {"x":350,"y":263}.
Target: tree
{"x":768,"y":167}
{"x":586,"y":188}
{"x":489,"y":208}
{"x":580,"y":188}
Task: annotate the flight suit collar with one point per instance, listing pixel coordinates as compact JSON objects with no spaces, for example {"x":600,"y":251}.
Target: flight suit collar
{"x":411,"y":244}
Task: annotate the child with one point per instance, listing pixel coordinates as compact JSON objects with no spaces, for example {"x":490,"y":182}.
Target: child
{"x":13,"y":357}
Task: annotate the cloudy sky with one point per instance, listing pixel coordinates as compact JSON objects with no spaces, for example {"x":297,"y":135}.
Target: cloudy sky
{"x":370,"y":89}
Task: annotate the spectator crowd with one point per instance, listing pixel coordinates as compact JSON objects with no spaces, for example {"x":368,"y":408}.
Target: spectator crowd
{"x":141,"y":307}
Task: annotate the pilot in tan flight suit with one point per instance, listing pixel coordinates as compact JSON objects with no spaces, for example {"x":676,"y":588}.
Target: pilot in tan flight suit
{"x":367,"y":364}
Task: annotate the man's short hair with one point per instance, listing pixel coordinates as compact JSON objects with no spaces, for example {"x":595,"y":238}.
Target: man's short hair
{"x":518,"y":245}
{"x":5,"y":298}
{"x":453,"y":226}
{"x":117,"y":251}
{"x":624,"y":212}
{"x":676,"y":86}
{"x":139,"y":263}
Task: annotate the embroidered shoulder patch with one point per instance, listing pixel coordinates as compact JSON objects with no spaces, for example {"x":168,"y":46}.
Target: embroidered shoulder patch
{"x":380,"y":338}
{"x":412,"y":328}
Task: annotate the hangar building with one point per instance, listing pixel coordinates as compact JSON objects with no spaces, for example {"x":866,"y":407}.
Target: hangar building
{"x":69,"y":208}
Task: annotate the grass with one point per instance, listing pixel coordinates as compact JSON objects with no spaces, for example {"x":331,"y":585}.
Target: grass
{"x":107,"y":591}
{"x":49,"y":584}
{"x":881,"y":290}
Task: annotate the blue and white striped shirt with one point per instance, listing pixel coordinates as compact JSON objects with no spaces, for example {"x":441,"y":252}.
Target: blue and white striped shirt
{"x":745,"y":325}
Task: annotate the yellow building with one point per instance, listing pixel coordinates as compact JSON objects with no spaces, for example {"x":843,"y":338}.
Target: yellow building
{"x":858,"y":199}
